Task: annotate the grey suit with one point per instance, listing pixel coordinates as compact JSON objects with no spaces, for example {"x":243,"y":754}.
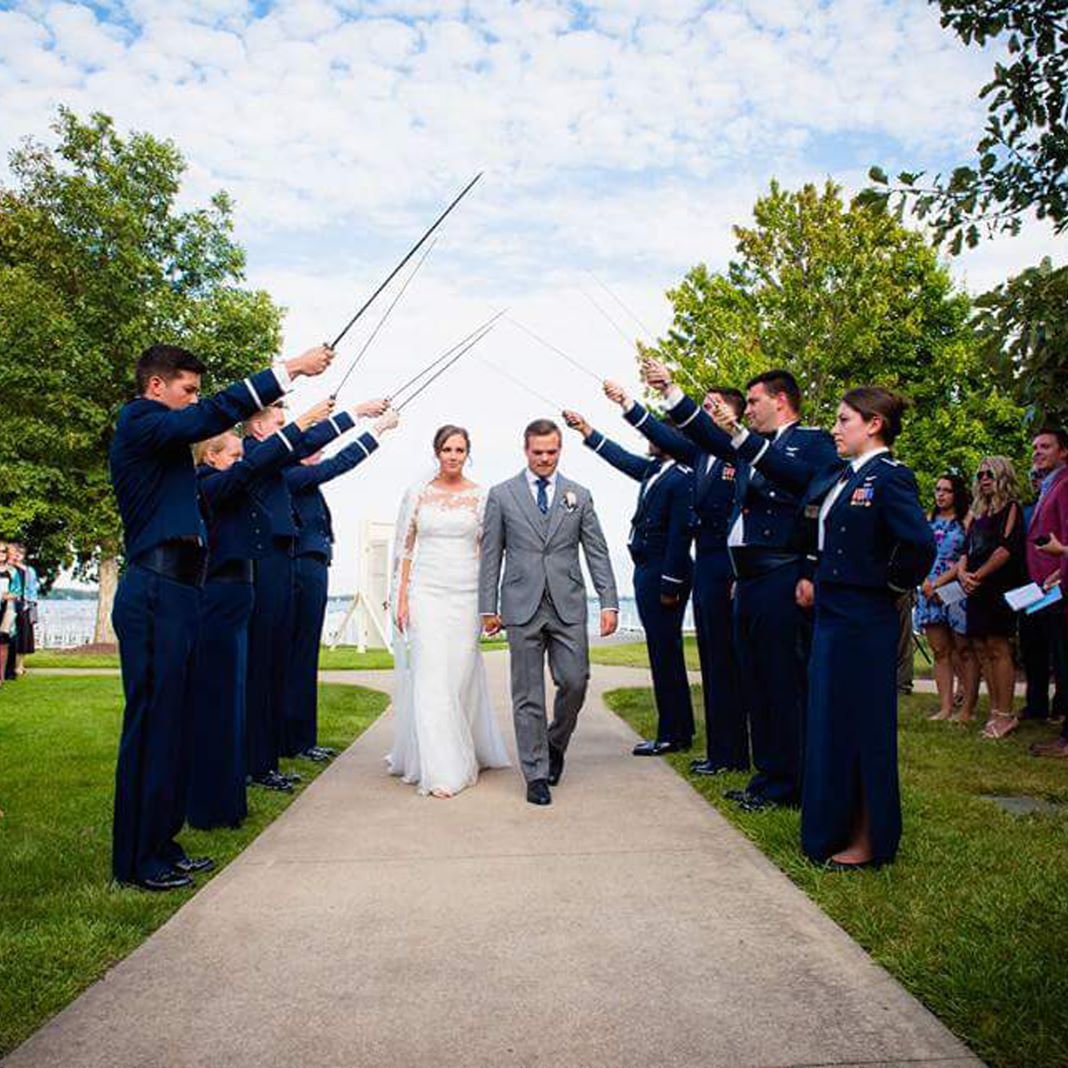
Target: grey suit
{"x":543,"y":604}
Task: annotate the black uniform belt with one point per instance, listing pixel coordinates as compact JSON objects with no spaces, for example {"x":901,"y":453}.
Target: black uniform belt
{"x":232,"y":571}
{"x":182,"y":561}
{"x":751,"y":561}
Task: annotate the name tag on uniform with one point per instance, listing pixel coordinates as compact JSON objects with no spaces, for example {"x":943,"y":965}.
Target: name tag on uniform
{"x":727,"y":474}
{"x":862,"y":496}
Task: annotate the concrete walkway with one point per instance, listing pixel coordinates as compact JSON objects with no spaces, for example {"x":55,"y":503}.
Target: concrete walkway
{"x":626,"y":925}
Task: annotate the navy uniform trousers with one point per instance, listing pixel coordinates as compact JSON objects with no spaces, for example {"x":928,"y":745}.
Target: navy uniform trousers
{"x":155,"y":619}
{"x":301,"y":726}
{"x":772,"y":637}
{"x":726,"y":727}
{"x":270,"y":635}
{"x":217,"y":763}
{"x":667,"y":662}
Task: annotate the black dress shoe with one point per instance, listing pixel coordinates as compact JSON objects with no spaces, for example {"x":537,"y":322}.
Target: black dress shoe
{"x":841,"y":865}
{"x":314,"y":754}
{"x":756,"y":803}
{"x":556,"y":764}
{"x":272,"y":781}
{"x":706,"y":767}
{"x":170,"y":880}
{"x":660,"y":748}
{"x":735,"y":795}
{"x":538,"y":792}
{"x":291,"y":776}
{"x":193,"y":865}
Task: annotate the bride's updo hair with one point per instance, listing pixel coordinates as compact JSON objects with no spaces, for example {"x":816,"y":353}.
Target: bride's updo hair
{"x":446,"y":432}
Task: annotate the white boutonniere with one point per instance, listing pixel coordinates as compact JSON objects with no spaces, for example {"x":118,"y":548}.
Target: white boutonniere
{"x":570,"y":500}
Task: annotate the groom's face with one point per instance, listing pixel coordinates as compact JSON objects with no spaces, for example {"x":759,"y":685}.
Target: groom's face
{"x":543,"y":454}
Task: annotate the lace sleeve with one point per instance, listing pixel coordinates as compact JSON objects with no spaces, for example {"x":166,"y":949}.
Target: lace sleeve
{"x":480,"y":514}
{"x":405,"y":535}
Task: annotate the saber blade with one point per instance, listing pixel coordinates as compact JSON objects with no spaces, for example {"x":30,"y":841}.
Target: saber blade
{"x":645,"y":330}
{"x":385,"y":315}
{"x":522,"y":385}
{"x":559,"y":352}
{"x":411,"y":252}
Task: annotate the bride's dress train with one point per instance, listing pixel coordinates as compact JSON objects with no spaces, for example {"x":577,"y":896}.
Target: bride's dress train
{"x":443,"y":720}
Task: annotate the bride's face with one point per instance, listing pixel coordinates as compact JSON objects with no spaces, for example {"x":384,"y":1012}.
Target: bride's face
{"x":453,"y":456}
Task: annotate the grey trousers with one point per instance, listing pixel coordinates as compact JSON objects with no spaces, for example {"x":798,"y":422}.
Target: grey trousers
{"x":567,"y":645}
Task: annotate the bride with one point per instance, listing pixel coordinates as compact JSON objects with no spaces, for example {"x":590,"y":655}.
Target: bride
{"x":445,"y":730}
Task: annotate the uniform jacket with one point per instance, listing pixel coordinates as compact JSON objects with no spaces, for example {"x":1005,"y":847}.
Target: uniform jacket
{"x":541,"y":552}
{"x":270,"y":507}
{"x":876,"y":533}
{"x":772,"y":514}
{"x":315,"y":530}
{"x":224,"y":496}
{"x":713,"y":482}
{"x":152,"y":469}
{"x":1050,"y":516}
{"x":662,"y":526}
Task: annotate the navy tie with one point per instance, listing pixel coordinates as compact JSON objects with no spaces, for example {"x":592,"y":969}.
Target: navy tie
{"x":543,"y":496}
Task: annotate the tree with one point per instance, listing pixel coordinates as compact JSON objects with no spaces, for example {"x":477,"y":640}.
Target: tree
{"x":1023,"y":326}
{"x":96,"y":263}
{"x":1021,"y":159}
{"x":844,"y":295}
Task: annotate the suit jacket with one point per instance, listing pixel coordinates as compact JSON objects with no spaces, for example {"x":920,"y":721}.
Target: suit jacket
{"x":713,"y":482}
{"x":152,"y":469}
{"x":1050,"y":516}
{"x":661,"y":529}
{"x":772,"y":514}
{"x":876,"y":533}
{"x":315,"y":528}
{"x":541,"y":552}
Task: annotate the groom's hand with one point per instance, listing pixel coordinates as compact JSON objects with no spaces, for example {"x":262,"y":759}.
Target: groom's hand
{"x":609,"y":622}
{"x":491,"y":625}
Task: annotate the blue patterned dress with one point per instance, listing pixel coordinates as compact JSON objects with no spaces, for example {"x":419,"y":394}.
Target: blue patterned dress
{"x":949,"y":542}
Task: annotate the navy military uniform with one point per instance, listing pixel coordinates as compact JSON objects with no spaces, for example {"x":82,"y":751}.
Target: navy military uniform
{"x":314,"y":552}
{"x":726,"y":730}
{"x":659,"y":544}
{"x":873,"y":543}
{"x":271,"y":539}
{"x":767,"y":540}
{"x":157,"y":607}
{"x":217,"y":766}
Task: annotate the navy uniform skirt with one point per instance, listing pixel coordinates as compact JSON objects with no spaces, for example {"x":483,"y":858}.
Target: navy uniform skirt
{"x":851,"y":730}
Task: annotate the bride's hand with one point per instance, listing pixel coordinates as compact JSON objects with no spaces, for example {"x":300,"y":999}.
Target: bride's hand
{"x":403,"y":613}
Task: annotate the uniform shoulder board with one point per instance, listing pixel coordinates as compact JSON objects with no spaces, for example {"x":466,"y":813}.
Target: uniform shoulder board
{"x":684,"y":469}
{"x":890,"y":462}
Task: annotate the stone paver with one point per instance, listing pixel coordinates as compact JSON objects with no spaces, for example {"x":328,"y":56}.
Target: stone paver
{"x":626,"y":925}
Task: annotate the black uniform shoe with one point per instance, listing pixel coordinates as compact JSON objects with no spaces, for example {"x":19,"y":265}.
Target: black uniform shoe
{"x":291,"y":776}
{"x":314,"y":754}
{"x":170,"y":880}
{"x":660,"y":748}
{"x":706,"y":767}
{"x":272,"y":781}
{"x":736,"y":795}
{"x":556,"y":764}
{"x":756,"y":803}
{"x":538,"y":792}
{"x":841,"y":865}
{"x":193,"y":865}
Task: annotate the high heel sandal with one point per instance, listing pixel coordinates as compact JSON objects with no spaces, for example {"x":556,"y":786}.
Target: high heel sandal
{"x":1000,"y":725}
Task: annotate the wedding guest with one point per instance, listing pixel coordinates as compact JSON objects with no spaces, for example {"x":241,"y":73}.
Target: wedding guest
{"x":726,"y":728}
{"x":1043,"y":641}
{"x":873,"y":542}
{"x":27,"y":608}
{"x":659,"y":545}
{"x":157,"y":605}
{"x":314,"y":553}
{"x":991,"y":562}
{"x":10,"y":591}
{"x":943,"y":625}
{"x":773,"y":591}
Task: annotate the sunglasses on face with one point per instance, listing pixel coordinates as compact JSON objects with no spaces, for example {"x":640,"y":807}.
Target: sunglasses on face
{"x":984,"y":472}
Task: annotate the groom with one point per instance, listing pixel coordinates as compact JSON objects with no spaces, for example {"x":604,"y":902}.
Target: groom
{"x":537,"y":521}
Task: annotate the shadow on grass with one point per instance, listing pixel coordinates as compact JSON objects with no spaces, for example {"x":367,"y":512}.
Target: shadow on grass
{"x":973,"y":916}
{"x":62,"y":924}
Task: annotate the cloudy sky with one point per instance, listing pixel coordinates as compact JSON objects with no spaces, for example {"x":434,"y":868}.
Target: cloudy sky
{"x":620,"y":142}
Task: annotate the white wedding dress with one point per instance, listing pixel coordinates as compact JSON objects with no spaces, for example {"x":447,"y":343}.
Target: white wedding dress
{"x":443,"y":720}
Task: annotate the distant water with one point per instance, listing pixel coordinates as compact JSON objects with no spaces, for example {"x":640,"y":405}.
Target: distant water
{"x":64,"y":624}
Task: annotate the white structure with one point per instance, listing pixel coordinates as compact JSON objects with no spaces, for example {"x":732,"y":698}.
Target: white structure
{"x":367,"y":612}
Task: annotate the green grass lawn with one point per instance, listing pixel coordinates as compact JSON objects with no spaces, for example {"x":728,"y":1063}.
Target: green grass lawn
{"x":634,"y":654}
{"x":61,"y":922}
{"x":973,"y":916}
